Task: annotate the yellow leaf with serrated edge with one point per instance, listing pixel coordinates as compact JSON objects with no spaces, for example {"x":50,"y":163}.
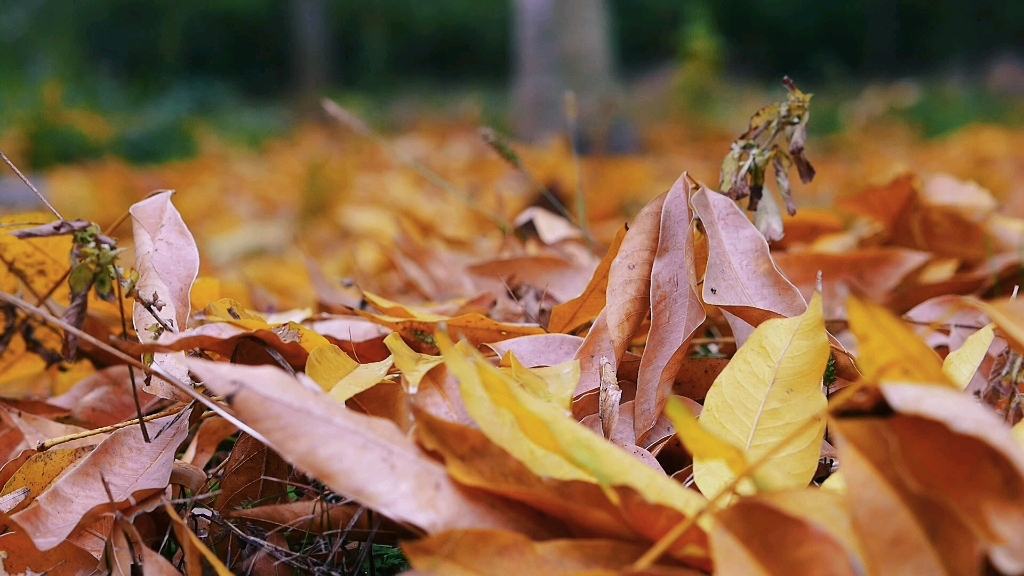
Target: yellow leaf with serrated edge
{"x":700,"y":442}
{"x":327,"y":365}
{"x":770,"y":393}
{"x":961,"y":364}
{"x":554,"y":384}
{"x":364,"y":376}
{"x":546,"y":440}
{"x":413,"y":365}
{"x":890,"y":351}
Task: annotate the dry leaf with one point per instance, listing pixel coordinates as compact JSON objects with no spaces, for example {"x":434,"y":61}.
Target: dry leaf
{"x":367,"y":459}
{"x":769,"y":392}
{"x":676,"y":310}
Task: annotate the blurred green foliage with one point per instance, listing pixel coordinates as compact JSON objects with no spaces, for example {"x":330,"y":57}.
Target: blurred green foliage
{"x":158,"y":69}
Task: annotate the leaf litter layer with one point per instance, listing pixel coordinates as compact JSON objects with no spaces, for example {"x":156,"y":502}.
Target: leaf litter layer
{"x":348,"y":342}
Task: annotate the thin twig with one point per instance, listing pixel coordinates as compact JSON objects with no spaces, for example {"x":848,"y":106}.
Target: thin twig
{"x":31,"y":186}
{"x":152,"y":370}
{"x":44,"y":445}
{"x":131,"y":369}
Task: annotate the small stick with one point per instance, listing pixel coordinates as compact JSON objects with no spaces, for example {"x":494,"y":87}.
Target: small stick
{"x":31,"y":186}
{"x":44,"y":445}
{"x":153,"y":370}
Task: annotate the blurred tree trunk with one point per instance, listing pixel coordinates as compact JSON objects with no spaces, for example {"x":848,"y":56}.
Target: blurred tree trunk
{"x":311,"y":49}
{"x":566,"y":45}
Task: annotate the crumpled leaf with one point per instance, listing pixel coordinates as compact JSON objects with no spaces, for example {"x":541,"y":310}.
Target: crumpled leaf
{"x":167,"y":260}
{"x":628,"y":295}
{"x":770,"y":390}
{"x":742,"y":277}
{"x":676,"y":310}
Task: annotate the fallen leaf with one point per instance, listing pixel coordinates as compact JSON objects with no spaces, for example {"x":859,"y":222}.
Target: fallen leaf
{"x":412,"y":365}
{"x":362,"y":378}
{"x":752,"y":537}
{"x":628,"y":295}
{"x":549,"y":442}
{"x":741,"y":277}
{"x":489,"y":552}
{"x":768,"y":393}
{"x":676,"y":310}
{"x":570,"y":316}
{"x":368,"y":459}
{"x":961,"y":364}
{"x":123,"y":463}
{"x":888,"y":351}
{"x":167,"y":260}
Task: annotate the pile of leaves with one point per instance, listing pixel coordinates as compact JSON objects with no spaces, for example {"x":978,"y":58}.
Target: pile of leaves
{"x":695,"y":401}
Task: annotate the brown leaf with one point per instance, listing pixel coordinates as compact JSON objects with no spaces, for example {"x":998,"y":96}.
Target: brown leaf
{"x":676,"y":310}
{"x":539,"y":349}
{"x":204,"y":444}
{"x":475,"y":461}
{"x":490,"y":552}
{"x":123,"y":462}
{"x":597,"y":345}
{"x":361,"y":457}
{"x":742,"y":277}
{"x":253,"y":474}
{"x":753,"y":537}
{"x":65,"y":559}
{"x":873,"y":272}
{"x":570,"y":316}
{"x":908,"y":491}
{"x":167,"y":260}
{"x":105,"y":398}
{"x":629,"y":278}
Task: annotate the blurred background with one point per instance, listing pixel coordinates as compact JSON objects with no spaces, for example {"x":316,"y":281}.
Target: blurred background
{"x":143,"y":80}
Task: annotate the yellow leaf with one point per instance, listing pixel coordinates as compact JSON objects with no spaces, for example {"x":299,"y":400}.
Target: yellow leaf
{"x":413,"y":365}
{"x":232,"y":312}
{"x":961,"y":364}
{"x":554,"y":384}
{"x":40,"y":470}
{"x":546,"y":440}
{"x":205,"y":291}
{"x":700,"y":442}
{"x":890,"y":351}
{"x":769,"y":392}
{"x":835,"y":483}
{"x":363,"y":377}
{"x":327,"y":365}
{"x":397,"y":310}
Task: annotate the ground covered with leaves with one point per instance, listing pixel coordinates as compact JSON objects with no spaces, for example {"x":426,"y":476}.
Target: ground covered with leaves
{"x":446,"y":353}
